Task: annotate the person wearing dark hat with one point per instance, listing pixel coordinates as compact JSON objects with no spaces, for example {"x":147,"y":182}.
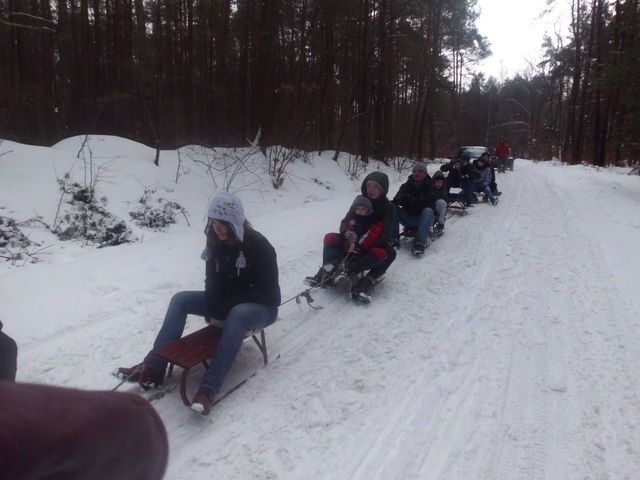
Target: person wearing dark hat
{"x":357,"y":241}
{"x":380,"y":253}
{"x":460,"y":174}
{"x":440,"y":201}
{"x":241,"y":288}
{"x":375,"y":187}
{"x":415,"y":205}
{"x":482,"y":184}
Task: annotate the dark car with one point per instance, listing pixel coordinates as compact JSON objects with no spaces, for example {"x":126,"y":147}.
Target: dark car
{"x":474,"y":151}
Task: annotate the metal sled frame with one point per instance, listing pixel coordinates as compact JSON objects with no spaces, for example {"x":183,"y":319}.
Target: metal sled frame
{"x":198,"y":347}
{"x":456,"y":204}
{"x":409,"y":233}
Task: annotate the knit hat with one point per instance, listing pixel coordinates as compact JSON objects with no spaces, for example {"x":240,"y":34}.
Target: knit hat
{"x":228,"y":208}
{"x":362,"y":201}
{"x":419,"y":167}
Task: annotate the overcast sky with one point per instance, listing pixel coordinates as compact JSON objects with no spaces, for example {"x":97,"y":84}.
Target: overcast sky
{"x":515,"y":31}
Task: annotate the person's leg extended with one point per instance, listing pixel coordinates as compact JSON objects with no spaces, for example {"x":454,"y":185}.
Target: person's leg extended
{"x":406,"y":219}
{"x":425,"y":222}
{"x":441,"y":210}
{"x":241,"y":318}
{"x":181,"y":305}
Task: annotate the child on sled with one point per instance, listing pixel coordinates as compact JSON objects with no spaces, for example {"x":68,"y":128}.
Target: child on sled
{"x":356,"y":248}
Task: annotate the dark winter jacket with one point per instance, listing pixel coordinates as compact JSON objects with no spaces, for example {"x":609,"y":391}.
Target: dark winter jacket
{"x":229,"y":283}
{"x":382,"y":207}
{"x":413,"y":197}
{"x":8,"y":356}
{"x":50,"y":432}
{"x":459,"y":173}
{"x":483,"y":172}
{"x":439,"y":193}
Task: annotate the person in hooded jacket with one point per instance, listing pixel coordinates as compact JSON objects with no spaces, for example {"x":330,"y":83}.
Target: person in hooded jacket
{"x":357,"y":244}
{"x":460,"y":174}
{"x":415,"y":204}
{"x":378,"y":255}
{"x":241,"y":288}
{"x":439,"y":205}
{"x":375,"y":187}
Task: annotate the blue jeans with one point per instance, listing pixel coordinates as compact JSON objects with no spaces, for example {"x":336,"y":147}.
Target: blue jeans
{"x":241,"y":318}
{"x":486,"y":191}
{"x":422,"y":223}
{"x":441,"y":210}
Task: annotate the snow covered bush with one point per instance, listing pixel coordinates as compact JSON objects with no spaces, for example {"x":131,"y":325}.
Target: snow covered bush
{"x":87,"y":218}
{"x":156,"y":212}
{"x":15,"y":246}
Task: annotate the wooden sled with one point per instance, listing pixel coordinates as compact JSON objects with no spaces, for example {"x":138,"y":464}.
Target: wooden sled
{"x":198,"y":347}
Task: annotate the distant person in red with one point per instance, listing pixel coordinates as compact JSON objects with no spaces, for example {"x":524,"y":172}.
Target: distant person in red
{"x":502,"y":152}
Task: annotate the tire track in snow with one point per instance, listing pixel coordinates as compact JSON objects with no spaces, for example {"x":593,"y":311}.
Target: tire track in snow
{"x":450,"y":413}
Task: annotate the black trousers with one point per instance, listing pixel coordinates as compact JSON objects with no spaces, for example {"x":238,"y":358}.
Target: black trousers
{"x":8,"y":357}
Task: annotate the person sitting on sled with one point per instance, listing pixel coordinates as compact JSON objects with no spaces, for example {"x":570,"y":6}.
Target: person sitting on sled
{"x":241,"y":288}
{"x":415,"y":203}
{"x":439,"y":204}
{"x":357,"y":246}
{"x":460,"y":175}
{"x":483,"y":183}
{"x":374,"y":188}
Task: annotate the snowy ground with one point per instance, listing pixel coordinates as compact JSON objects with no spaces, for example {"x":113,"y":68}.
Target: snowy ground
{"x":510,"y":351}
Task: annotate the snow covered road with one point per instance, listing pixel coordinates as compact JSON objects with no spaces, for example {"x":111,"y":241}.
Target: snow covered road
{"x":509,"y":351}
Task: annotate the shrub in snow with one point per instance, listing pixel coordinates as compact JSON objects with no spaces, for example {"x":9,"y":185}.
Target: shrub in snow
{"x":155,"y":212}
{"x":15,"y":246}
{"x":87,"y":218}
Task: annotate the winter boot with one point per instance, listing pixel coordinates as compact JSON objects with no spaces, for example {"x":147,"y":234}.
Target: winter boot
{"x":203,"y":400}
{"x":495,"y":201}
{"x":363,"y":289}
{"x":418,"y":250}
{"x":323,"y":278}
{"x":438,"y":229}
{"x":148,"y":377}
{"x":129,"y":374}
